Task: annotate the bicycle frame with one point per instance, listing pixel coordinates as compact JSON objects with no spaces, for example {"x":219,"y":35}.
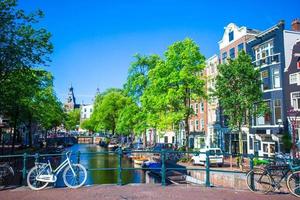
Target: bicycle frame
{"x":56,"y":171}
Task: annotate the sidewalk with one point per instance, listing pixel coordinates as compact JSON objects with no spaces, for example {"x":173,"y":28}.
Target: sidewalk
{"x":137,"y":192}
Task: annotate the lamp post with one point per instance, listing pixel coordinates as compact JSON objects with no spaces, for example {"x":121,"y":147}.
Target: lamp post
{"x":292,"y":118}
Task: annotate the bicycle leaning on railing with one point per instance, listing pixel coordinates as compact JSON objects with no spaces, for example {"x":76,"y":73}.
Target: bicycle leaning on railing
{"x":6,"y":173}
{"x":269,"y":178}
{"x":74,"y":175}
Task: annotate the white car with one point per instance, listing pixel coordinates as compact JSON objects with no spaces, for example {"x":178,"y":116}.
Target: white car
{"x":216,"y":157}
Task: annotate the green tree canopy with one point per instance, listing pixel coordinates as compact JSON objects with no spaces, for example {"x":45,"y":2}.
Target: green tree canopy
{"x":72,"y":119}
{"x":175,"y":82}
{"x":238,"y":90}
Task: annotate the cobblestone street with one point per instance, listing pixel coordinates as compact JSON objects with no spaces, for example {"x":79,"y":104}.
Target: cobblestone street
{"x":136,"y":192}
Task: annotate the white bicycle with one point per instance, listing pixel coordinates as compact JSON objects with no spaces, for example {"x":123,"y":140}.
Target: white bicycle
{"x":42,"y":174}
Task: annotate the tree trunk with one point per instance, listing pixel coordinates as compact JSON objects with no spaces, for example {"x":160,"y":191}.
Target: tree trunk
{"x":30,"y":131}
{"x":144,"y":139}
{"x":240,"y":146}
{"x":187,"y":133}
{"x":14,"y":134}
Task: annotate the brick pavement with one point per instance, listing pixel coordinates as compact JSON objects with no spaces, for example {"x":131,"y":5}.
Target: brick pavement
{"x":137,"y":192}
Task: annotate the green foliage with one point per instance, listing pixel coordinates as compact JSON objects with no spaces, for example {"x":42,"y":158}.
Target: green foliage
{"x":287,"y":142}
{"x":72,"y":119}
{"x":257,"y":162}
{"x":174,"y":82}
{"x":88,"y":125}
{"x":107,"y":109}
{"x":238,"y":90}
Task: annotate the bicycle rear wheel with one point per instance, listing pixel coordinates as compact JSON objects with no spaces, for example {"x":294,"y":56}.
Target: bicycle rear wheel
{"x":75,"y":180}
{"x":293,"y":183}
{"x":258,"y":181}
{"x":32,"y":182}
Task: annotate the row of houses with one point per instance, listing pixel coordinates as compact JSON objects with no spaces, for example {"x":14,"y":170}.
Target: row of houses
{"x":276,"y":53}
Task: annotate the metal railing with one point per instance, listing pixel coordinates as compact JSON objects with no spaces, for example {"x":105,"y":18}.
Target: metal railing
{"x":120,"y":153}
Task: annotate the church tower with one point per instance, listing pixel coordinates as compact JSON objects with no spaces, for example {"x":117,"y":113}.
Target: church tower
{"x":70,"y":103}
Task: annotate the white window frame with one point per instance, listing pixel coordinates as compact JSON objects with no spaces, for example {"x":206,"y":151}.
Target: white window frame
{"x":297,"y":107}
{"x":276,"y":75}
{"x":294,"y":78}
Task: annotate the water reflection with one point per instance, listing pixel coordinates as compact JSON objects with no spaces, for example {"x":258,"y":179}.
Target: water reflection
{"x":96,"y":162}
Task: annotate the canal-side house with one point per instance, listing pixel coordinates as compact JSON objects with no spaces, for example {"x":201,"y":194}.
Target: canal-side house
{"x":233,"y":41}
{"x":212,"y":115}
{"x":270,"y":54}
{"x":198,"y":125}
{"x":292,"y":76}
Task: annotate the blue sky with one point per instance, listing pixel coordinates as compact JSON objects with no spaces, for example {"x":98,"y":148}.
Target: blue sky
{"x":94,"y":40}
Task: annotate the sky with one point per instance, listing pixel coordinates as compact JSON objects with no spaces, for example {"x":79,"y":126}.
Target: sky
{"x":95,"y":40}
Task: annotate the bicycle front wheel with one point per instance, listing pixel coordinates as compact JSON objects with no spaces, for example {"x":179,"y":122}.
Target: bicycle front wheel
{"x":293,"y":183}
{"x":75,"y":178}
{"x":32,"y":182}
{"x":258,"y":181}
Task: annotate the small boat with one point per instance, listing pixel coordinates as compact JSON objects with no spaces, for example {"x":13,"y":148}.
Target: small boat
{"x":139,"y":160}
{"x":102,"y":143}
{"x":112,"y":146}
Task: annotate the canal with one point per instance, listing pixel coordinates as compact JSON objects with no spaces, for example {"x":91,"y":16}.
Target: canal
{"x":91,"y":160}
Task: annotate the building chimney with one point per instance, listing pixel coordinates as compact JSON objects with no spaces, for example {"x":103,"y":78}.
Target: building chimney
{"x":296,"y":25}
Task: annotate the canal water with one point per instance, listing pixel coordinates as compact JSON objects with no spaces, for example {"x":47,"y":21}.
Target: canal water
{"x":91,"y":160}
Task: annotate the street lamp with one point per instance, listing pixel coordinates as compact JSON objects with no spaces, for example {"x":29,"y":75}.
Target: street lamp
{"x":292,"y":118}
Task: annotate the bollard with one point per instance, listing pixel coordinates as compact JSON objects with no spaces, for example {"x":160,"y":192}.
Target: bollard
{"x":207,"y":164}
{"x":120,"y":153}
{"x":163,"y":167}
{"x":24,"y":168}
{"x":251,"y":168}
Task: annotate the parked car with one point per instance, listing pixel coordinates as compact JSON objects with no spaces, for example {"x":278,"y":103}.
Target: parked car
{"x":216,"y":157}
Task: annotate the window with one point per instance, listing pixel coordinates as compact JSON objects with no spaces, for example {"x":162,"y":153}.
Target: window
{"x":91,"y":110}
{"x":265,"y":80}
{"x":201,"y":107}
{"x":265,"y":148}
{"x":232,"y":53}
{"x":192,"y":108}
{"x":250,"y":143}
{"x":295,"y":100}
{"x":294,"y":78}
{"x":240,"y":47}
{"x":197,"y":124}
{"x":231,"y":36}
{"x":84,"y":116}
{"x":266,"y":118}
{"x":277,"y":110}
{"x":197,"y":110}
{"x":224,"y":56}
{"x":202,"y":124}
{"x":84,"y":109}
{"x":276,"y":78}
{"x":264,"y":50}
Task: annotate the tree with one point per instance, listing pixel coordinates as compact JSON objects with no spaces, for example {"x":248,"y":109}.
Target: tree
{"x":135,"y":87}
{"x":107,"y":110}
{"x":175,"y":82}
{"x":238,"y":90}
{"x":23,"y":45}
{"x":128,"y":118}
{"x":72,"y":119}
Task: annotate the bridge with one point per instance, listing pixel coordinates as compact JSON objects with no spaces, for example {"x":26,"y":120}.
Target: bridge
{"x":88,"y":139}
{"x":140,"y":191}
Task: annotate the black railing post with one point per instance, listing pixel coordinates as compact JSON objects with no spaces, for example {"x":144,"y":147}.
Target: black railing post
{"x":24,"y":169}
{"x":163,"y":167}
{"x":120,"y":154}
{"x":78,"y":157}
{"x":207,"y":169}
